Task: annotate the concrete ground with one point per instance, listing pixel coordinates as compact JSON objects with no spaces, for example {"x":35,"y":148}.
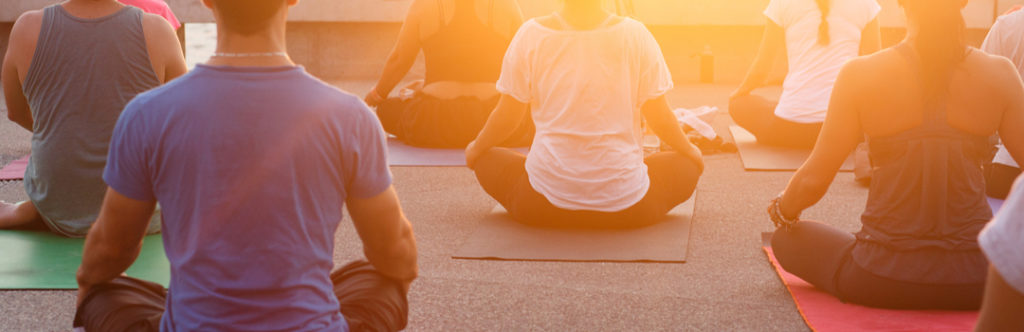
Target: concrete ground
{"x":727,"y":284}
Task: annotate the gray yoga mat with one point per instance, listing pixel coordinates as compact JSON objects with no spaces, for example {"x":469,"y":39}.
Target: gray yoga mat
{"x":498,"y":237}
{"x":401,"y":154}
{"x":760,"y":157}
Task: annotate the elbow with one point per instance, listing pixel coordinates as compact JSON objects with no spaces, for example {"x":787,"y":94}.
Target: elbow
{"x":21,"y":120}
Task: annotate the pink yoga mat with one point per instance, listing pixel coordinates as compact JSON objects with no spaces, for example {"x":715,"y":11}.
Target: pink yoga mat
{"x":15,"y":170}
{"x":825,"y":313}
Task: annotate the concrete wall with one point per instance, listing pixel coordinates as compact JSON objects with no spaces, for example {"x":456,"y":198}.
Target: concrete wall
{"x":351,"y":38}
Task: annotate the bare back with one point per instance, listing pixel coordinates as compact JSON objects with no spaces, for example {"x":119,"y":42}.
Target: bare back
{"x":892,"y":94}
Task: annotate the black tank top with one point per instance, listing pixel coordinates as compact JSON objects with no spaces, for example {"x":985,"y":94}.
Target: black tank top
{"x":465,"y":50}
{"x":927,"y":201}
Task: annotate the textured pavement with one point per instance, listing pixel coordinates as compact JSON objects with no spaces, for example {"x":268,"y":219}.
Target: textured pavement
{"x":727,"y":284}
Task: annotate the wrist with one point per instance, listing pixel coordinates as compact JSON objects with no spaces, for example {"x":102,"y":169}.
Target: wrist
{"x":780,"y":218}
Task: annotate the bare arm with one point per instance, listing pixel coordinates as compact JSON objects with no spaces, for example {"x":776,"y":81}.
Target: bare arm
{"x":664,"y":124}
{"x":164,"y":48}
{"x":840,"y":134}
{"x":388,"y":240}
{"x":772,"y":43}
{"x":871,"y":38}
{"x":15,"y":66}
{"x":402,"y":57}
{"x":1011,"y":128}
{"x":114,"y":240}
{"x":502,"y":122}
{"x":1002,"y":306}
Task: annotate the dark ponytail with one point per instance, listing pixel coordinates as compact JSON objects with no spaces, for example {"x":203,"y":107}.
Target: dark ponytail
{"x":941,"y":43}
{"x":823,"y":34}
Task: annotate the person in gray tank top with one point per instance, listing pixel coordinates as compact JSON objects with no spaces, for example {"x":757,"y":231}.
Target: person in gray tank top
{"x":69,"y":71}
{"x":927,"y":107}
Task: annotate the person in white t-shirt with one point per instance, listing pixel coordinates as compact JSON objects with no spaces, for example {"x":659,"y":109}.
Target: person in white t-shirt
{"x":1006,"y":38}
{"x":1002,"y":241}
{"x":588,"y":79}
{"x":818,"y":36}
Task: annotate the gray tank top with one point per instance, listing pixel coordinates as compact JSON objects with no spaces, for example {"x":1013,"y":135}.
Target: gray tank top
{"x":927,"y":203}
{"x":83,"y":73}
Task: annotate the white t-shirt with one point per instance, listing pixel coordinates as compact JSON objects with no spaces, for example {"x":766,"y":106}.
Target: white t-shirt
{"x":1006,"y":38}
{"x":1003,"y":238}
{"x":585,"y":89}
{"x":813,"y":68}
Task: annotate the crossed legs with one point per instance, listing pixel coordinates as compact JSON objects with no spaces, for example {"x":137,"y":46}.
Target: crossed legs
{"x":757,"y":115}
{"x":822,"y":255}
{"x":368,"y":301}
{"x":502,"y":174}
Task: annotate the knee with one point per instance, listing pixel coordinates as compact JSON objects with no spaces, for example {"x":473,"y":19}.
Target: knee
{"x":368,"y":300}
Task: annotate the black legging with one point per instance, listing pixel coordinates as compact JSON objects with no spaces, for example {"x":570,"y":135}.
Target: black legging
{"x":502,"y":174}
{"x":999,"y":178}
{"x":757,"y":115}
{"x":821,"y":255}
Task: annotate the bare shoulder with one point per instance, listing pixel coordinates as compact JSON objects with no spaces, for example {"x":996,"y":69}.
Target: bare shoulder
{"x":865,"y":68}
{"x":28,"y":24}
{"x":156,"y":23}
{"x":993,"y":68}
{"x":23,"y":38}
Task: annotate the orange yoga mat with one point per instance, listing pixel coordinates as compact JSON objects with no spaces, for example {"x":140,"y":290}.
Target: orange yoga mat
{"x":825,"y":313}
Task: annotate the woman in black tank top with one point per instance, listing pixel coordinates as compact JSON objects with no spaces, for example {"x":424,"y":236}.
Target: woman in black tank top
{"x":927,"y":107}
{"x":463,"y":43}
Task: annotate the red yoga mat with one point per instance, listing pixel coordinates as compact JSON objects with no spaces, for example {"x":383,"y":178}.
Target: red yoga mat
{"x":825,"y":313}
{"x":15,"y":170}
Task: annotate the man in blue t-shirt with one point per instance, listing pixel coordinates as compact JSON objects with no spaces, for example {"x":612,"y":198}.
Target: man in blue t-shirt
{"x":251,"y":160}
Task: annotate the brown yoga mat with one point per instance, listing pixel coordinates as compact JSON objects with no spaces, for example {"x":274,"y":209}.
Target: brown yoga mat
{"x":498,"y":237}
{"x":760,"y":157}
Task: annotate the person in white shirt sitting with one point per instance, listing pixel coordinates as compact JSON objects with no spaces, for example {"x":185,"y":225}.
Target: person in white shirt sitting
{"x":818,"y":37}
{"x":588,"y":79}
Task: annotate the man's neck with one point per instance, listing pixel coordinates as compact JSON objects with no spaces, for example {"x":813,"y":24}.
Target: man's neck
{"x":89,"y":9}
{"x":261,"y":49}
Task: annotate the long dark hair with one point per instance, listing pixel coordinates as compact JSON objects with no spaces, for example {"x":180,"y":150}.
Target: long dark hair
{"x":941,"y":43}
{"x":823,"y":35}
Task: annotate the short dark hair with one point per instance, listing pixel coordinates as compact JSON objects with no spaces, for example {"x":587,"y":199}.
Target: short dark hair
{"x":246,"y":16}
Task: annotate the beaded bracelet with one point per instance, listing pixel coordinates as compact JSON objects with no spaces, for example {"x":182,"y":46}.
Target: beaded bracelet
{"x":775,"y":213}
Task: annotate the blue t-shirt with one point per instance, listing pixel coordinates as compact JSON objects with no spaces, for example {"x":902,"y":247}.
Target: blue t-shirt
{"x":251,"y":167}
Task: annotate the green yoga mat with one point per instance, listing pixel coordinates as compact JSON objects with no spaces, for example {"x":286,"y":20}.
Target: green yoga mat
{"x":41,"y":260}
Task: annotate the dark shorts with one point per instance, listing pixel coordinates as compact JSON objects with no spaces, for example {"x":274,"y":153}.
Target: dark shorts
{"x":502,"y":174}
{"x":369,"y":302}
{"x":429,"y":122}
